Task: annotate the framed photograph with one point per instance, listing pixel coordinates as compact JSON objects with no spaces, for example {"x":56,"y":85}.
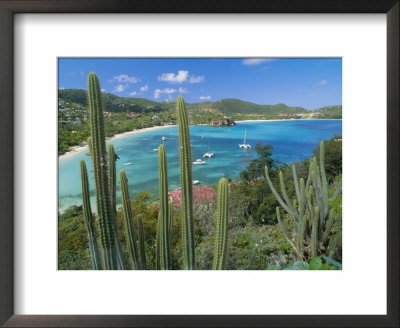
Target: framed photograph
{"x":214,"y":164}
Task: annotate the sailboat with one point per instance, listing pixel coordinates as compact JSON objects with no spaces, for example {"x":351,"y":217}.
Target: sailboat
{"x":208,"y":154}
{"x":244,"y":144}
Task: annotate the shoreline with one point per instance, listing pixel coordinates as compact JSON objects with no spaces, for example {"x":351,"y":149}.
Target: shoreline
{"x":82,"y":147}
{"x":292,"y":119}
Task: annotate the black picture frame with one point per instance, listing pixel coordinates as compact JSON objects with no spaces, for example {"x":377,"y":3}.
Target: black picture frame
{"x":10,"y":7}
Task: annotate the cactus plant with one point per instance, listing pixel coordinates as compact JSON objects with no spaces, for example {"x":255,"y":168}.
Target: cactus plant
{"x":185,"y":156}
{"x":87,"y":211}
{"x":129,"y":228}
{"x":112,"y":158}
{"x":170,"y":222}
{"x":99,"y":164}
{"x":165,"y":258}
{"x":142,"y":251}
{"x":222,"y":226}
{"x":311,"y":211}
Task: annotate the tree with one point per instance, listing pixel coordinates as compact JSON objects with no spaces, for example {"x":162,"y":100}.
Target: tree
{"x":256,"y":168}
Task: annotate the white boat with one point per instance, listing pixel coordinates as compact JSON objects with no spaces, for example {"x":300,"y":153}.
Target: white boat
{"x":156,"y":149}
{"x":118,"y":149}
{"x":208,"y":155}
{"x":196,"y":182}
{"x":244,"y":144}
{"x":163,"y":138}
{"x":126,"y":164}
{"x":203,"y":137}
{"x":199,"y":162}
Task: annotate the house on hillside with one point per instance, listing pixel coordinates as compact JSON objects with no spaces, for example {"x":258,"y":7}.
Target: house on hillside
{"x":204,"y":194}
{"x":224,"y":122}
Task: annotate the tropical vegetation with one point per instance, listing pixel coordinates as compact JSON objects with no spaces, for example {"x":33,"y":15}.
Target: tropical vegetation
{"x":252,"y":225}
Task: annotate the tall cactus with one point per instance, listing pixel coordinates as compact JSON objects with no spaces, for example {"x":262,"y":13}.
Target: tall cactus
{"x":170,"y":222}
{"x":311,"y":211}
{"x":129,"y":228}
{"x":222,"y":226}
{"x":165,"y":257}
{"x":99,"y":164}
{"x":142,"y":250}
{"x":185,"y":156}
{"x":87,"y":211}
{"x":112,"y":158}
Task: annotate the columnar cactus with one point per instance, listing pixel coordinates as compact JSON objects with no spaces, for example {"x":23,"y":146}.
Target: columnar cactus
{"x":170,"y":222}
{"x":87,"y":211}
{"x":311,"y":211}
{"x":129,"y":228}
{"x":112,"y":158}
{"x":185,"y":156}
{"x":142,"y":250}
{"x":99,"y":163}
{"x":222,"y":226}
{"x":165,"y":257}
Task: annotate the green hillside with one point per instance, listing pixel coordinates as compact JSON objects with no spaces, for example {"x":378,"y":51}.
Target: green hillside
{"x":113,"y":103}
{"x":331,"y":112}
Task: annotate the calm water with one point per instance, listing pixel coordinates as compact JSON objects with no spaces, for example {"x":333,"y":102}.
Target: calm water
{"x":292,"y":141}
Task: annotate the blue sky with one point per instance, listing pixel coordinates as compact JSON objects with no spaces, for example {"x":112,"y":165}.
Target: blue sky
{"x":309,"y":83}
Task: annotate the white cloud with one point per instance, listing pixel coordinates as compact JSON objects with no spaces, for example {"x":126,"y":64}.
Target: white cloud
{"x":120,"y":87}
{"x":321,"y":83}
{"x":144,"y":88}
{"x":169,"y":91}
{"x":124,"y":78}
{"x":182,"y":90}
{"x":174,"y":78}
{"x":103,"y":90}
{"x":196,"y":79}
{"x":133,"y":93}
{"x":62,"y":88}
{"x":205,"y":97}
{"x":157,"y":92}
{"x":256,"y":61}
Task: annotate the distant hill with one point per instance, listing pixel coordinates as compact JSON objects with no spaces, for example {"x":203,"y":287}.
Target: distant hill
{"x":113,"y":103}
{"x":329,"y":112}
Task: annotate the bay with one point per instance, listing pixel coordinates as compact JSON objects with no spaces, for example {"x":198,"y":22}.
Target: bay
{"x":292,"y":140}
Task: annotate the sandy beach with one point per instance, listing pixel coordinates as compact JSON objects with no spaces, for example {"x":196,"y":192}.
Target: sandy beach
{"x":84,"y":147}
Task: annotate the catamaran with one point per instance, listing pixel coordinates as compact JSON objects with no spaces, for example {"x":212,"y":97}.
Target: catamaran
{"x":244,"y":144}
{"x":199,"y":162}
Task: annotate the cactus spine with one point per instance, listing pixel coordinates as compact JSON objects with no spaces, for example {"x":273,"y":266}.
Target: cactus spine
{"x":99,"y":163}
{"x":222,"y":226}
{"x":112,"y":158}
{"x":87,"y":211}
{"x":129,"y":229}
{"x":165,"y":257}
{"x":142,"y":251}
{"x":311,"y":210}
{"x":185,"y":156}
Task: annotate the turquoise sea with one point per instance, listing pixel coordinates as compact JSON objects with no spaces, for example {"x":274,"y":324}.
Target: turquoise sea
{"x":292,"y":140}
